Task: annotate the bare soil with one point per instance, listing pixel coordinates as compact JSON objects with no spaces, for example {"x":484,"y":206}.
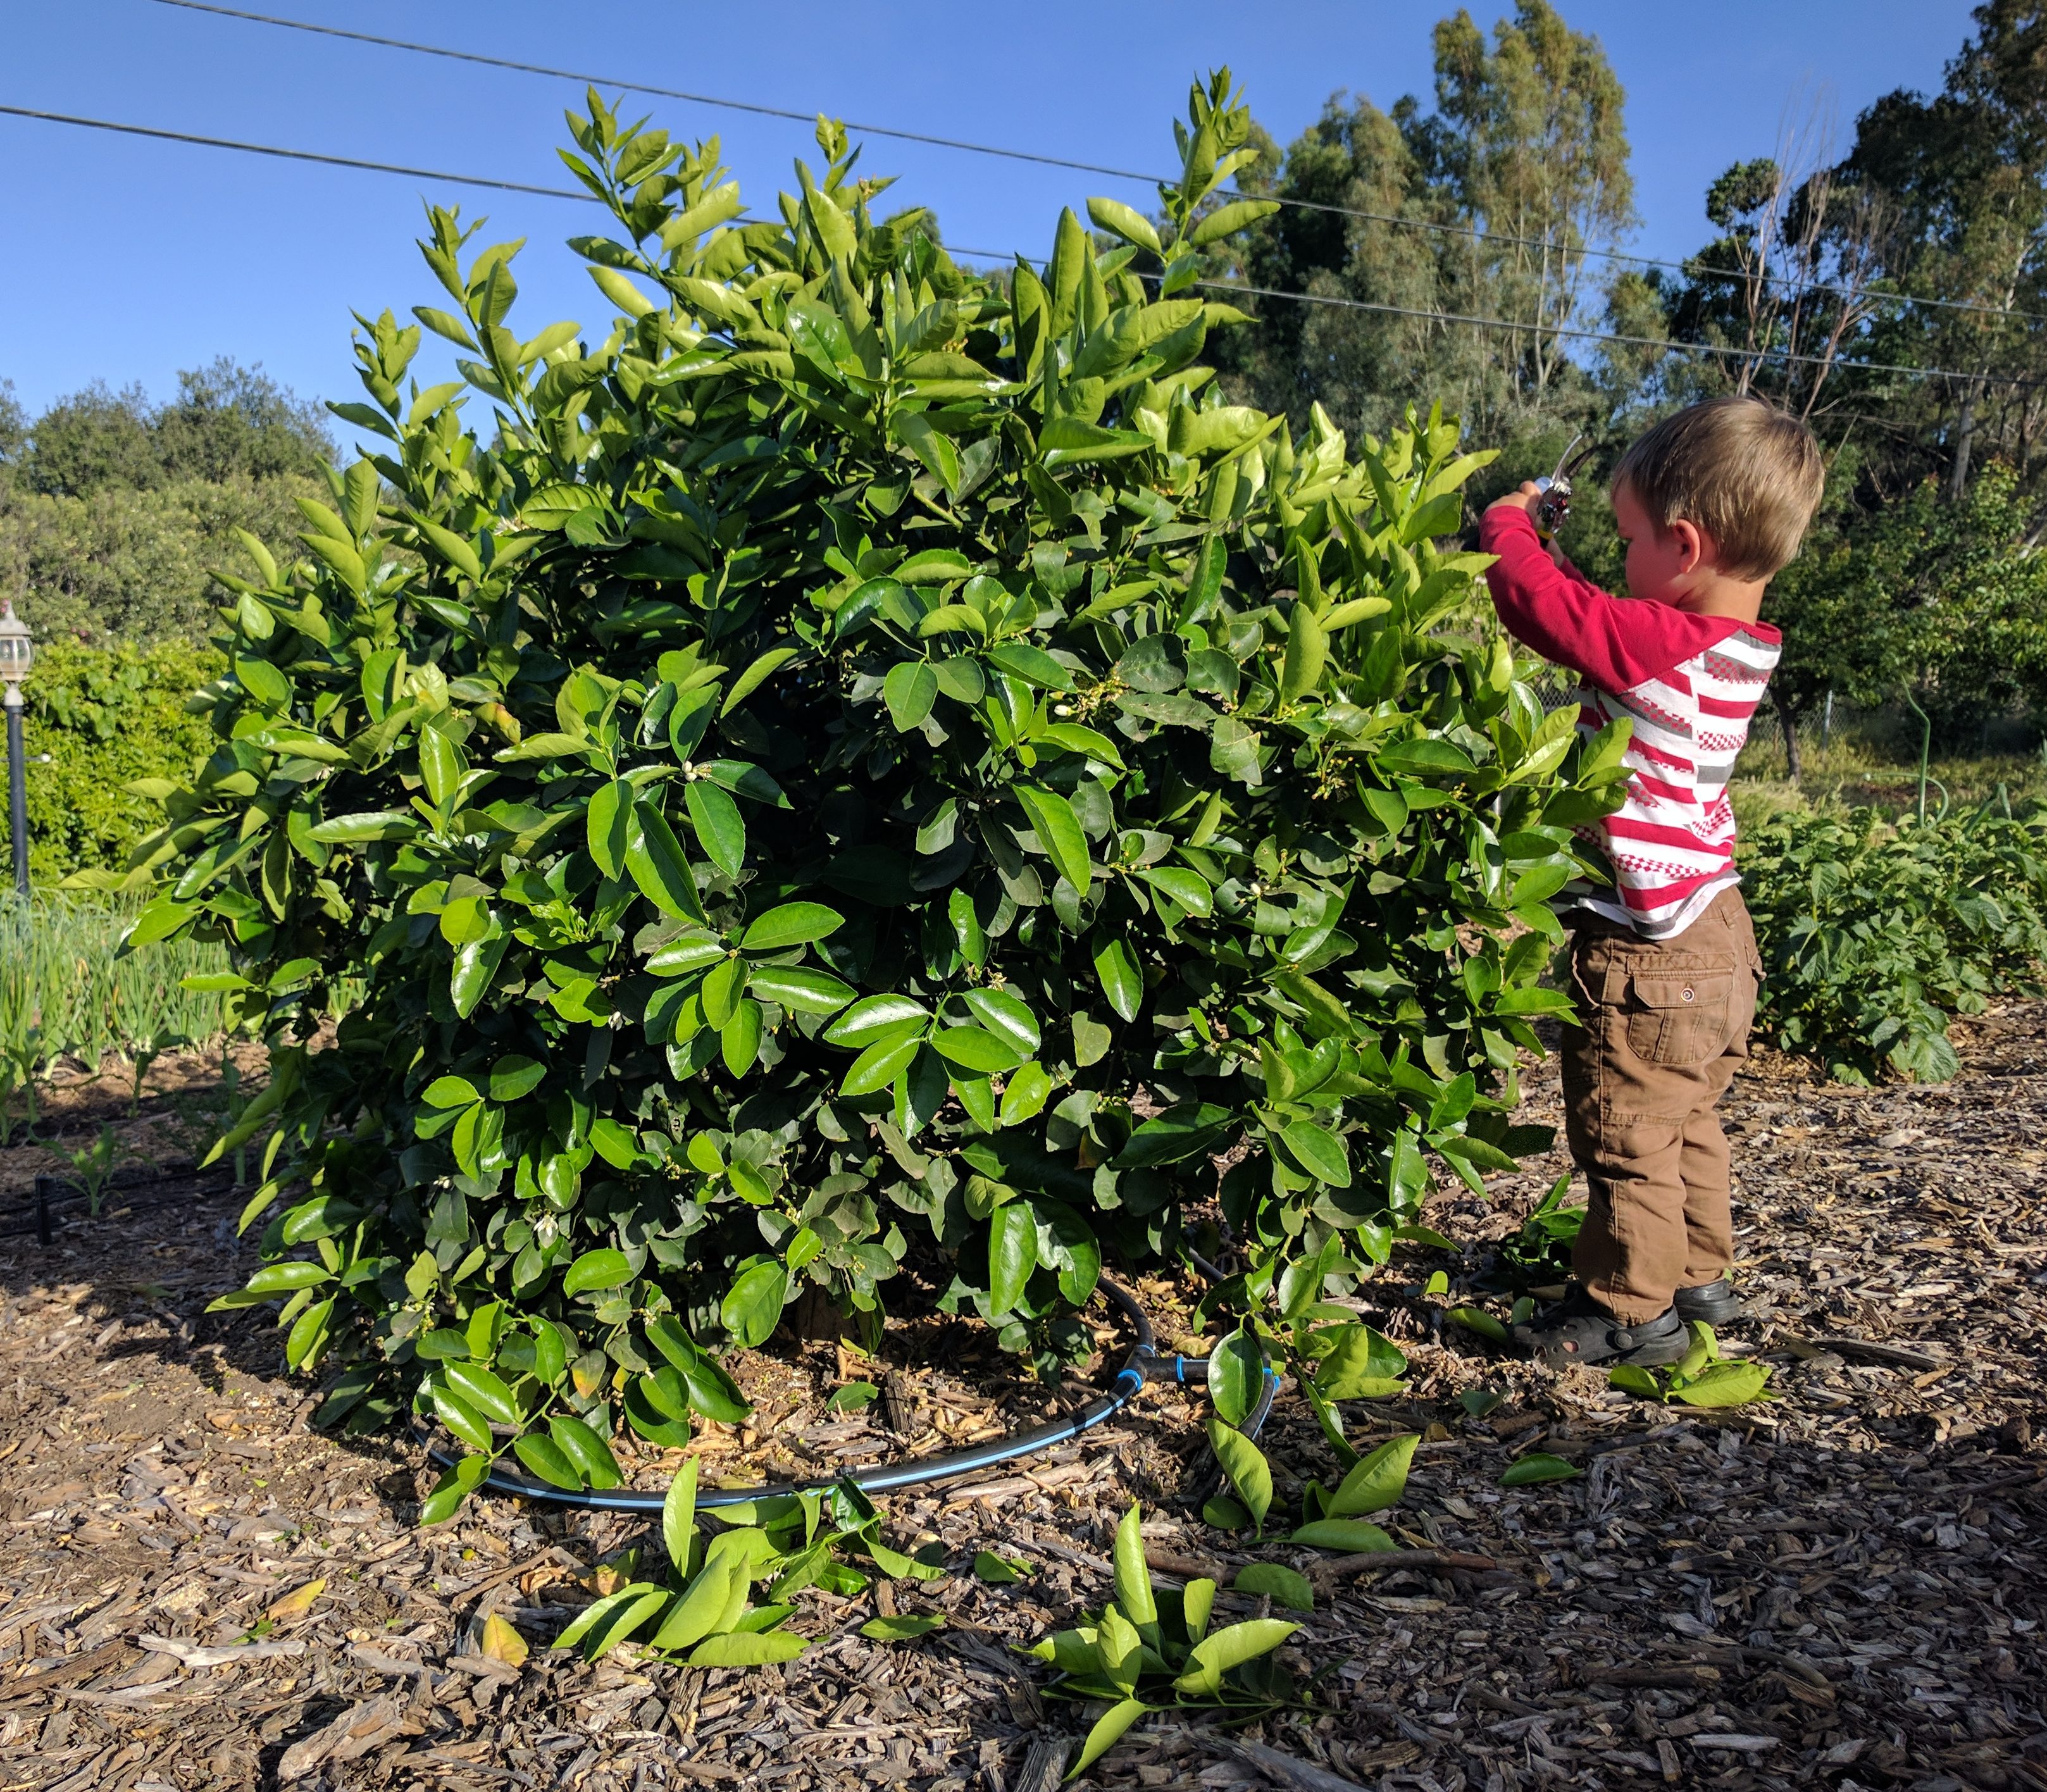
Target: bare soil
{"x":1840,"y":1587}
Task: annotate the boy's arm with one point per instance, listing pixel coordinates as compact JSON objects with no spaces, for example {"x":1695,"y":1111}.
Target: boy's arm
{"x":1614,"y":644}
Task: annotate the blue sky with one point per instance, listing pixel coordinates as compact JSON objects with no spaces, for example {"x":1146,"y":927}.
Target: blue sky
{"x":127,"y":260}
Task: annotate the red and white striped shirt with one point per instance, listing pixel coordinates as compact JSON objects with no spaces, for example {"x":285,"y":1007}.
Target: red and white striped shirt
{"x":1690,"y":684}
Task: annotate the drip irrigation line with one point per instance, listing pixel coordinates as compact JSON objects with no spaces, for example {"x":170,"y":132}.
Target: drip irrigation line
{"x":1472,"y":231}
{"x":1143,"y":1364}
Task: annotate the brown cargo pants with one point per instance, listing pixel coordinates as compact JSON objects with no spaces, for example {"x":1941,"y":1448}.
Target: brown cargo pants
{"x":1665,"y":1026}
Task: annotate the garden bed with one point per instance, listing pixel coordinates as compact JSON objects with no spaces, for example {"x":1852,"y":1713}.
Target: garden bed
{"x":1840,"y":1585}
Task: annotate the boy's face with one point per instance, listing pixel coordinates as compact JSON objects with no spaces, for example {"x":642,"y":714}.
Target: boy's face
{"x":1661,"y":563}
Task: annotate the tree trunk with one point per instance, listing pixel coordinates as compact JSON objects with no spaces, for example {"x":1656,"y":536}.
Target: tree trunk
{"x":1787,"y":721}
{"x":1965,"y":430}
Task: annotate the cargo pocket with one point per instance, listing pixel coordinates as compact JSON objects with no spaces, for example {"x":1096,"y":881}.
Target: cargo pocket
{"x":1679,"y":1017}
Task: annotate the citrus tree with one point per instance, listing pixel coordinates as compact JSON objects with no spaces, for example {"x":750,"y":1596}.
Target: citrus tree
{"x":862,"y":767}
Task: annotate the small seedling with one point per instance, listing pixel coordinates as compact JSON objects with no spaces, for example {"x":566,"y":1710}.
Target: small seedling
{"x":91,"y":1167}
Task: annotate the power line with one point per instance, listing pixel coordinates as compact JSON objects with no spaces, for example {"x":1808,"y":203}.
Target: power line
{"x":1472,"y":231}
{"x":1006,"y":256}
{"x":291,"y":155}
{"x":1726,"y":349}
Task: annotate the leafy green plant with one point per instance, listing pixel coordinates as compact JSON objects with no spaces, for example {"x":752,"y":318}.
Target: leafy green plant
{"x":91,"y":1166}
{"x":1701,"y":1377}
{"x":1874,"y":932}
{"x":854,"y":749}
{"x":1153,"y":1646}
{"x":115,"y":725}
{"x":703,"y":1613}
{"x":68,"y":989}
{"x":1539,"y":1254}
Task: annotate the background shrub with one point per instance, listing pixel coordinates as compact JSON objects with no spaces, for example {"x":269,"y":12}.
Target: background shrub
{"x":108,"y":718}
{"x":1873,"y":933}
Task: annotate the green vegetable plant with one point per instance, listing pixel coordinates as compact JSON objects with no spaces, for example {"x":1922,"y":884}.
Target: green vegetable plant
{"x":1873,"y":933}
{"x":846,"y":751}
{"x":1153,"y":1647}
{"x":1701,"y":1377}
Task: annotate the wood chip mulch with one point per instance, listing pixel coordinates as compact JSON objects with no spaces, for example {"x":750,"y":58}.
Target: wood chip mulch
{"x":1840,"y":1588}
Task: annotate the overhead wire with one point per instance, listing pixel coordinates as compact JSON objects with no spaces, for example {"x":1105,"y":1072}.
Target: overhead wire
{"x":1692,"y":270}
{"x":1326,"y":300}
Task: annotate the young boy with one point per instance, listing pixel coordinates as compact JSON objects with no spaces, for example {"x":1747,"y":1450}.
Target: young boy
{"x":1710,"y":504}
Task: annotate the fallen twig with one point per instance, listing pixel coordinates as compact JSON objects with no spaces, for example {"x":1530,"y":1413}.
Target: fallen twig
{"x":1379,"y":1562}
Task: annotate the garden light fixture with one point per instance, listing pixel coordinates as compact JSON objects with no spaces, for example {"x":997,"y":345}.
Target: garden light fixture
{"x":16,"y":653}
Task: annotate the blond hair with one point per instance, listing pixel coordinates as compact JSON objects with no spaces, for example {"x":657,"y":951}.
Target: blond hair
{"x":1748,"y":474}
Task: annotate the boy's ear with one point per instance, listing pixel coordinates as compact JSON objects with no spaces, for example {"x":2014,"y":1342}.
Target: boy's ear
{"x":1694,"y":546}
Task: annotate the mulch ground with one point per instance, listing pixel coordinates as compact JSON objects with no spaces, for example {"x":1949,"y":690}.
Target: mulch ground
{"x":1841,"y":1587}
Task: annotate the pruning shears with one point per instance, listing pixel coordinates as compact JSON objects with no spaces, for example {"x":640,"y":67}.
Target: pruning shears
{"x":1554,"y":504}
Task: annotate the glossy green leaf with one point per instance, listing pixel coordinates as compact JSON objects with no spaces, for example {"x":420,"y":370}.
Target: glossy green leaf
{"x":1377,"y":1481}
{"x":1536,"y":1467}
{"x":1059,"y":833}
{"x":720,"y":830}
{"x":1245,"y":1464}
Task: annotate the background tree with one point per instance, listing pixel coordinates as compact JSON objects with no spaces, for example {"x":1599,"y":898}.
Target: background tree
{"x":113,"y":511}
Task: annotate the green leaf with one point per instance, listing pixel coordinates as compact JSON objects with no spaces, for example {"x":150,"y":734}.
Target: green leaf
{"x":878,"y":1066}
{"x":1012,"y":1254}
{"x":703,"y":1603}
{"x":1723,"y":1384}
{"x":748,"y":1649}
{"x":910,"y":688}
{"x":1231,"y":1646}
{"x":997,"y":1573}
{"x":595,"y":1270}
{"x":752,"y":1307}
{"x":1282,"y":1585}
{"x":1352,"y":1536}
{"x":1059,"y":832}
{"x":975,"y":1049}
{"x":1362,"y":1364}
{"x":1245,"y":1464}
{"x":903,"y":1628}
{"x":589,"y":1453}
{"x":1107,"y":1731}
{"x":461,"y":1418}
{"x":546,"y":1458}
{"x":1307,"y":652}
{"x":1477,"y":1319}
{"x":452,"y":1489}
{"x":1377,"y":1481}
{"x":1236,"y":1376}
{"x":678,"y":1515}
{"x":1317,"y":1151}
{"x":1007,"y":1016}
{"x":803,"y":992}
{"x":877,"y":1018}
{"x":792,"y":924}
{"x":654,"y":858}
{"x":1133,"y":1577}
{"x":479,"y":1387}
{"x":1120,"y":220}
{"x":1633,"y":1378}
{"x":1121,"y":981}
{"x":1536,"y":1467}
{"x":721,"y":830}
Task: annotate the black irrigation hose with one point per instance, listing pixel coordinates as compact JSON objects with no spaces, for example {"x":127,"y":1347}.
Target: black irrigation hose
{"x":1144,"y":1365}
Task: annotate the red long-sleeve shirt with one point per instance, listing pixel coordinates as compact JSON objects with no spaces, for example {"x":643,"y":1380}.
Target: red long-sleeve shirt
{"x":1689,"y":684}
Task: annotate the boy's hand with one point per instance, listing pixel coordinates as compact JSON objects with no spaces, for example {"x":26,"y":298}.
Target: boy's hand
{"x":1524,"y":499}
